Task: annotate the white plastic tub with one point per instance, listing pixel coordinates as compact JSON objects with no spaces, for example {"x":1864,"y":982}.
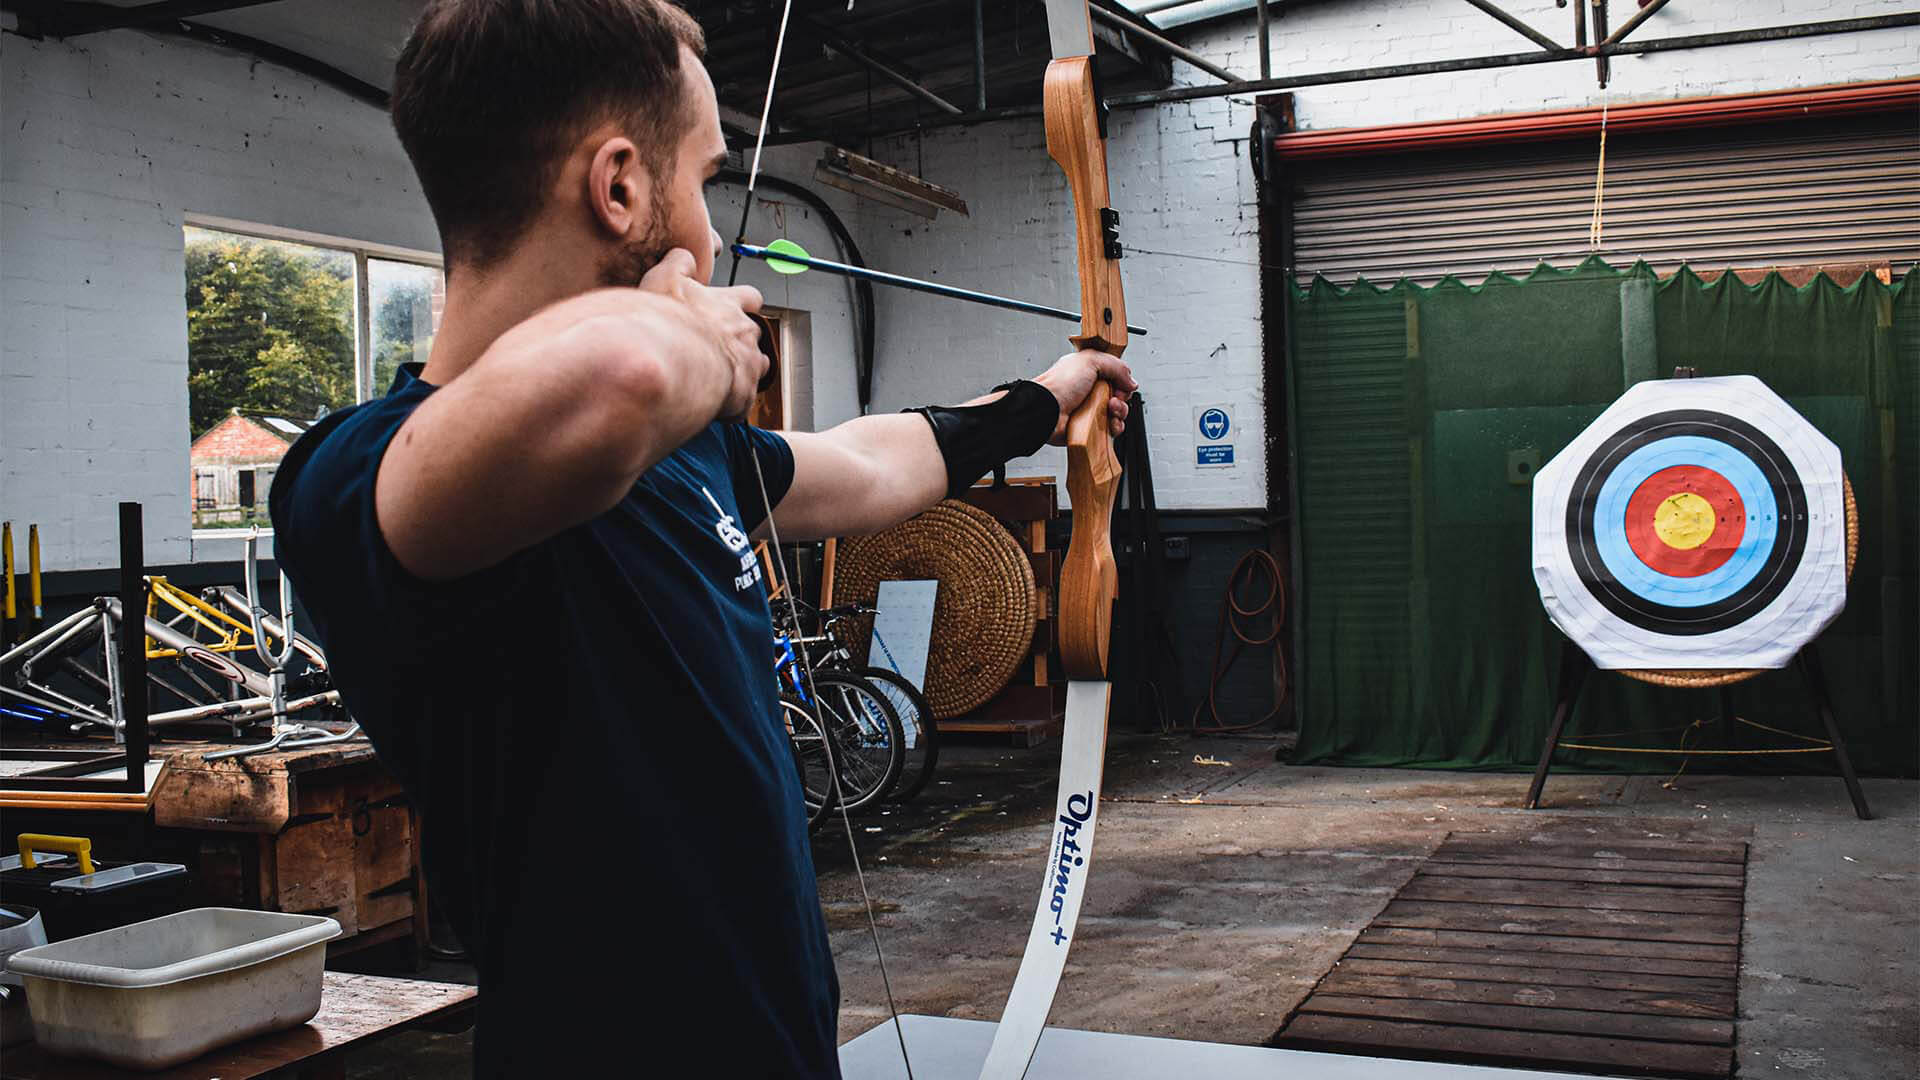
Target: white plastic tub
{"x":156,"y":993}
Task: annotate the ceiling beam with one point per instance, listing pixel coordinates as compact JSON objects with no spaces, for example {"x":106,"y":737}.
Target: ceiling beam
{"x":45,"y":18}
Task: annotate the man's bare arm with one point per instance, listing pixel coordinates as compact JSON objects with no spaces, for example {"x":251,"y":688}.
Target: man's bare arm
{"x":552,"y":425}
{"x":876,"y":471}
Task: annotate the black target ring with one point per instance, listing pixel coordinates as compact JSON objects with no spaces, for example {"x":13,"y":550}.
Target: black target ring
{"x":1776,"y":571}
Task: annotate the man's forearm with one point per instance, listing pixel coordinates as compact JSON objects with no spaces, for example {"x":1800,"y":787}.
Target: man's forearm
{"x":548,"y":429}
{"x":875,"y":471}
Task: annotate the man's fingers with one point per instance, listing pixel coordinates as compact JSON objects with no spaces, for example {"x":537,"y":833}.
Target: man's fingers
{"x":1113,"y":369}
{"x":747,"y":296}
{"x":667,"y":274}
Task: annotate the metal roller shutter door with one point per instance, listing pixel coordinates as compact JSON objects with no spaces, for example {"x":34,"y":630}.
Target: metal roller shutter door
{"x":1818,"y":191}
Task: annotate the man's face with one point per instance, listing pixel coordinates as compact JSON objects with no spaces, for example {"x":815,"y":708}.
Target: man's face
{"x":678,"y":201}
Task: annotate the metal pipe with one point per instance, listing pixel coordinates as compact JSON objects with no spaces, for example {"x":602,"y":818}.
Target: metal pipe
{"x":72,"y":20}
{"x":188,"y":648}
{"x":980,"y":55}
{"x":280,"y":737}
{"x":1473,"y":63}
{"x":1266,"y":46}
{"x":48,"y":634}
{"x":9,"y":599}
{"x":52,"y":699}
{"x":231,"y":598}
{"x":1633,"y":24}
{"x":1173,"y":49}
{"x":245,"y":710}
{"x":77,"y":625}
{"x":109,"y":649}
{"x":37,"y":618}
{"x":881,"y":277}
{"x":1477,"y":63}
{"x":1514,"y":24}
{"x":1601,"y":67}
{"x":1579,"y":24}
{"x":853,"y":53}
{"x":132,"y":714}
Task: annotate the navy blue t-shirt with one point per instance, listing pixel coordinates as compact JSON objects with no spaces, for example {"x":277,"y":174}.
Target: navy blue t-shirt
{"x":590,"y":730}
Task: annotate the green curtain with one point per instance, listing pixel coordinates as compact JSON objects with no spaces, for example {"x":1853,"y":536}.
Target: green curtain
{"x":1418,"y":415}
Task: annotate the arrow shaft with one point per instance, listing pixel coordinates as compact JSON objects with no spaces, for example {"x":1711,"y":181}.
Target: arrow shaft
{"x":881,"y":277}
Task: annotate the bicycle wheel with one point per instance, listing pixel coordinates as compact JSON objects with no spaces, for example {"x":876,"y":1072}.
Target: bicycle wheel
{"x":916,"y":724}
{"x":869,"y":748}
{"x":812,"y":757}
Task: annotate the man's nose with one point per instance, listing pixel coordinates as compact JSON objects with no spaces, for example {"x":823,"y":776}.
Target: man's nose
{"x":718,"y":246}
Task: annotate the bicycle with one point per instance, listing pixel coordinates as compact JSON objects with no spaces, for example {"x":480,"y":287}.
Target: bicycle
{"x":863,"y":731}
{"x":920,"y":735}
{"x":812,"y":759}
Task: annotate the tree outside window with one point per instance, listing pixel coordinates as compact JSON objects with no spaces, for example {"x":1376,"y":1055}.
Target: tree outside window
{"x":273,"y":335}
{"x":269,"y":327}
{"x":406,"y":299}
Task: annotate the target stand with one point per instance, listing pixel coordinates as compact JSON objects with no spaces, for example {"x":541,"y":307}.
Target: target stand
{"x":1575,"y":666}
{"x":1698,"y":532}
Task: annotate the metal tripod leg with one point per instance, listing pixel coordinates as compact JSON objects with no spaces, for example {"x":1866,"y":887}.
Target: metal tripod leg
{"x":1574,"y":666}
{"x":1809,"y":661}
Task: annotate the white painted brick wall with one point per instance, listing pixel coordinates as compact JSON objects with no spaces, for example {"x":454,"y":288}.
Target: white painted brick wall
{"x":1181,"y":183}
{"x":106,"y":143}
{"x":826,"y":298}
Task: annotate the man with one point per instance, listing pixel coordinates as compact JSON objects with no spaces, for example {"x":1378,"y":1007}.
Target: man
{"x":529,"y":561}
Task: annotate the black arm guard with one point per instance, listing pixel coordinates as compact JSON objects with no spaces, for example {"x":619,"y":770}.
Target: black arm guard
{"x":975,"y":439}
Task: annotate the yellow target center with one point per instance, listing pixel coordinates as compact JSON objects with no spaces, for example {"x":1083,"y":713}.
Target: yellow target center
{"x":1683,"y":521}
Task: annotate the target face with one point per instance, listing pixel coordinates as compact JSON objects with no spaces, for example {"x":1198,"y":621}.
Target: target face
{"x":1698,"y":523}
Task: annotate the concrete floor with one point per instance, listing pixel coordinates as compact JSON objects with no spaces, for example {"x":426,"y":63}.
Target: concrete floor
{"x":1226,"y":884}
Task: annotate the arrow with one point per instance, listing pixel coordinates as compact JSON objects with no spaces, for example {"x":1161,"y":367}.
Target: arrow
{"x":786,"y":257}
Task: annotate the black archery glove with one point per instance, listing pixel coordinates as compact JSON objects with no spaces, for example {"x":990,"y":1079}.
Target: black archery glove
{"x":976,"y":439}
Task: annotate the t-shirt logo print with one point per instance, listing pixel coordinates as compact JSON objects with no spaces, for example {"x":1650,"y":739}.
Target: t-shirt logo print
{"x":736,"y":540}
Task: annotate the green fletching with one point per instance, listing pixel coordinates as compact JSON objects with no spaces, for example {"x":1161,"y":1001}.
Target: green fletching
{"x":784,"y":246}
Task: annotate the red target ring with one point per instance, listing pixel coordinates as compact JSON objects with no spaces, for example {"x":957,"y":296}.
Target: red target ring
{"x":1643,"y":508}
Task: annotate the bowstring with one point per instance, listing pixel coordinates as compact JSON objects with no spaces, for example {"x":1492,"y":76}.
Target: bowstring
{"x":760,"y":144}
{"x":779,"y":564}
{"x":813,"y":706}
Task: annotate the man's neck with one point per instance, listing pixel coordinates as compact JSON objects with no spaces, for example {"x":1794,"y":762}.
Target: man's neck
{"x":484,"y":304}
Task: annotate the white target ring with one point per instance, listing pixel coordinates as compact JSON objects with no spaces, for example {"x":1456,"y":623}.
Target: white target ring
{"x":1696,"y":524}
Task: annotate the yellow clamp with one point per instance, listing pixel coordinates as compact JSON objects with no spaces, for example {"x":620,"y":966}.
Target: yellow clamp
{"x":72,"y":845}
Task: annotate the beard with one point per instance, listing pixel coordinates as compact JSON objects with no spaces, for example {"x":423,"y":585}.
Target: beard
{"x":628,"y":263}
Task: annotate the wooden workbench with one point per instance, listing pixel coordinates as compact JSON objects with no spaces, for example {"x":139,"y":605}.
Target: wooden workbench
{"x":355,"y":1010}
{"x":322,"y":830}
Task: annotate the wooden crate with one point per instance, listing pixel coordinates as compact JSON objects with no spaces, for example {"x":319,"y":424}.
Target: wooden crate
{"x":322,"y":832}
{"x":1032,"y":708}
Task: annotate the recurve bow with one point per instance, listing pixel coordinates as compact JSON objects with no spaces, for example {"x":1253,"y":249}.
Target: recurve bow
{"x":1089,"y":580}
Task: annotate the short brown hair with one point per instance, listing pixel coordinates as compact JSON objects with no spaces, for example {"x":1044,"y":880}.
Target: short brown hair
{"x":489,"y":96}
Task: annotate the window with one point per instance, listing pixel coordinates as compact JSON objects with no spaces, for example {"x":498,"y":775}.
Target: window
{"x":406,"y":301}
{"x":283,"y":328}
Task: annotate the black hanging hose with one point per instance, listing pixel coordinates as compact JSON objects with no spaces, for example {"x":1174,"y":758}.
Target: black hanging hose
{"x":863,"y":314}
{"x":1234,"y":616}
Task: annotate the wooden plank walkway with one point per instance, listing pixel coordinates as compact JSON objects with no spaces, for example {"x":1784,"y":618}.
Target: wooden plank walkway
{"x":1574,"y":954}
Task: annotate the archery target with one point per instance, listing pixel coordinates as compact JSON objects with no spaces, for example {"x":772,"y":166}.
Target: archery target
{"x":1698,"y":523}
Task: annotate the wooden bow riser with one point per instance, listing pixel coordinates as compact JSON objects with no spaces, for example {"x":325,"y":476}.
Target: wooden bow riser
{"x":1089,"y":578}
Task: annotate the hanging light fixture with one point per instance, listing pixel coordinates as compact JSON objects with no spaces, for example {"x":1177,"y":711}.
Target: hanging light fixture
{"x":869,"y":179}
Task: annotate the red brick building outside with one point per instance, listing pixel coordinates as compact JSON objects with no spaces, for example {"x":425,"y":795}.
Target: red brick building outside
{"x":233,"y":466}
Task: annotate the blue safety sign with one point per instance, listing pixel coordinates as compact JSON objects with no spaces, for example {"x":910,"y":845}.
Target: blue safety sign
{"x":1214,"y":424}
{"x":1215,"y":455}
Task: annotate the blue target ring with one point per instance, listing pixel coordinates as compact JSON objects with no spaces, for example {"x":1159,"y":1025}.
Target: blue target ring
{"x":1767,"y":558}
{"x":1609,"y":522}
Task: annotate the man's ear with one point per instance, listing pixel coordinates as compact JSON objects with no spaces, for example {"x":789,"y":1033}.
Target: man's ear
{"x":618,"y":188}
